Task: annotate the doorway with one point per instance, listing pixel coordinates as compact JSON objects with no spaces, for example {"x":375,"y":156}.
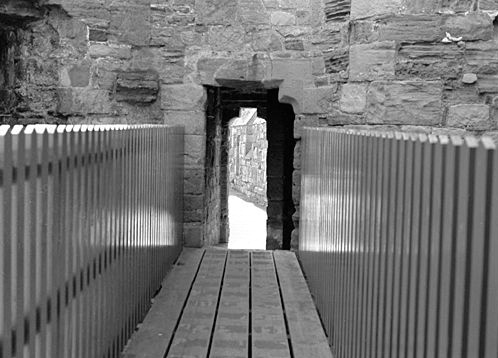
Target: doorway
{"x":247,"y":197}
{"x":223,"y":105}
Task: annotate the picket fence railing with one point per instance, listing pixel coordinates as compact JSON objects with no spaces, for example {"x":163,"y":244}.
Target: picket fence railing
{"x":399,"y":241}
{"x":90,"y":220}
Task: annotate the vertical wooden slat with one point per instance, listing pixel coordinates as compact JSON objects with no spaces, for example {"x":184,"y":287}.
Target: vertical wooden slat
{"x":6,"y":243}
{"x":44,"y":240}
{"x":437,"y":180}
{"x":466,"y":160}
{"x":481,"y":193}
{"x":490,"y":324}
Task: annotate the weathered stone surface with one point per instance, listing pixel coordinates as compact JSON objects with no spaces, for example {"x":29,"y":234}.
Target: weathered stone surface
{"x":282,"y":18}
{"x":487,"y":83}
{"x":182,"y":97}
{"x":424,"y":28}
{"x":308,"y":120}
{"x":116,"y":51}
{"x":353,"y":97}
{"x":266,"y":40}
{"x":404,"y":102}
{"x":319,"y":100}
{"x":469,"y":78}
{"x":215,"y":12}
{"x":254,"y":70}
{"x":253,"y":12}
{"x":337,"y":10}
{"x":488,"y":5}
{"x":169,"y":65}
{"x":482,"y":57}
{"x":137,"y":87}
{"x":331,"y":37}
{"x":131,"y":24}
{"x":83,"y":101}
{"x":337,"y":63}
{"x":292,"y":69}
{"x":194,"y":122}
{"x":21,"y":10}
{"x":469,"y":116}
{"x":195,"y":151}
{"x":372,"y":61}
{"x":471,"y":27}
{"x":338,"y":118}
{"x":293,"y":44}
{"x":429,"y":61}
{"x":193,"y":234}
{"x":97,"y":35}
{"x":78,"y":76}
{"x":193,"y":181}
{"x":366,"y":8}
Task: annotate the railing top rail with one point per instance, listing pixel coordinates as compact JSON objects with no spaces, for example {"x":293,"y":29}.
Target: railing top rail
{"x":469,"y":140}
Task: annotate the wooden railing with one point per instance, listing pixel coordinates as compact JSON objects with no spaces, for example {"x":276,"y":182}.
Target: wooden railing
{"x":90,"y":220}
{"x":399,"y":241}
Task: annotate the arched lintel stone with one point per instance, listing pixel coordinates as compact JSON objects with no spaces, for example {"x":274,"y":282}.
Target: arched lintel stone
{"x":290,"y":76}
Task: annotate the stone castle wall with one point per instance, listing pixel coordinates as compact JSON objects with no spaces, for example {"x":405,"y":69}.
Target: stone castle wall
{"x":247,"y":163}
{"x":418,"y":65}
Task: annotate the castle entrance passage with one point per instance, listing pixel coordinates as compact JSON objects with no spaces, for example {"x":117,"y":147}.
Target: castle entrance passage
{"x":223,"y":105}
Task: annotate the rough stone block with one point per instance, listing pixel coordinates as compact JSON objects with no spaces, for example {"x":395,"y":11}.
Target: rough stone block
{"x":404,"y":102}
{"x":424,"y":28}
{"x":183,"y":97}
{"x":338,"y":118}
{"x":79,"y":75}
{"x":253,"y":12}
{"x":353,"y":98}
{"x":292,"y":70}
{"x":366,"y":8}
{"x":337,"y":10}
{"x":307,"y":120}
{"x":488,"y":5}
{"x":194,"y":122}
{"x":487,"y":83}
{"x":193,"y":181}
{"x":139,"y":87}
{"x":471,"y":27}
{"x":169,"y":65}
{"x":266,"y":40}
{"x":193,"y":235}
{"x":429,"y":61}
{"x":469,"y":116}
{"x":372,"y":61}
{"x":482,"y":57}
{"x":83,"y":101}
{"x":337,"y":63}
{"x":22,"y":10}
{"x":320,"y":99}
{"x":97,"y":35}
{"x":131,"y":24}
{"x":195,"y":151}
{"x":104,"y":50}
{"x":250,"y":70}
{"x":282,"y":18}
{"x":215,"y":12}
{"x":193,"y":202}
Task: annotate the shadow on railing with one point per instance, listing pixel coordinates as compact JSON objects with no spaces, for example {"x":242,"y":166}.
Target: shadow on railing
{"x":399,"y":241}
{"x":90,"y":220}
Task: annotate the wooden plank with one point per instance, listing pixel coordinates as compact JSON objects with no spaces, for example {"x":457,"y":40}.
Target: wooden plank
{"x":193,"y":335}
{"x":231,"y":335}
{"x":306,"y":332}
{"x":269,"y":336}
{"x":156,"y":331}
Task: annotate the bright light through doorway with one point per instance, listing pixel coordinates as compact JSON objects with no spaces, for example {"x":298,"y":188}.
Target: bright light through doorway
{"x":247,"y":181}
{"x":247,"y":225}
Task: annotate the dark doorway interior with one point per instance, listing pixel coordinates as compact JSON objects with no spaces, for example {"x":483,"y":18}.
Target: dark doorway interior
{"x":223,"y":105}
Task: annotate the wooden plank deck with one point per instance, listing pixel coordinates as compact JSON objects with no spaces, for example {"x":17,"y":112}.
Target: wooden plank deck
{"x":232,"y":304}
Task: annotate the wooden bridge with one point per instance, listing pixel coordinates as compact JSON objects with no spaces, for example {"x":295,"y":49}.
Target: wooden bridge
{"x":398,"y":241}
